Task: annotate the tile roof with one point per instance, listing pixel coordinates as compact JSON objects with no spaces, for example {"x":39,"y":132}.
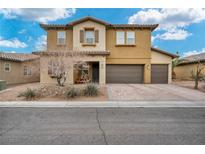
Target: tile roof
{"x":18,"y":57}
{"x":164,"y":52}
{"x":193,"y":59}
{"x":86,"y":19}
{"x":108,"y":25}
{"x":71,"y":53}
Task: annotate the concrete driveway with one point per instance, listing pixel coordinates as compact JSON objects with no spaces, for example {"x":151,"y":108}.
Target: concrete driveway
{"x":146,"y":92}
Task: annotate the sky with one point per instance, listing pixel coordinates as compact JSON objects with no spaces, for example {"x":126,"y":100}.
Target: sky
{"x":180,"y":31}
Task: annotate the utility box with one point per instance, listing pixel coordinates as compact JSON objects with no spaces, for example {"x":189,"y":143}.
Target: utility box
{"x":2,"y":85}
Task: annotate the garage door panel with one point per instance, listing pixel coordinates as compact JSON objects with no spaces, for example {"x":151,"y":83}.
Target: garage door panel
{"x":159,"y":73}
{"x":124,"y":73}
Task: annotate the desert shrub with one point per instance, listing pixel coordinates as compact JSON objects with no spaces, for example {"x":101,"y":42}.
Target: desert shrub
{"x":90,"y":90}
{"x":70,"y":93}
{"x":29,"y":94}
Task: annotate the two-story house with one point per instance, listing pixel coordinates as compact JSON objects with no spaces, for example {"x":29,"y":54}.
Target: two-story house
{"x":116,"y":53}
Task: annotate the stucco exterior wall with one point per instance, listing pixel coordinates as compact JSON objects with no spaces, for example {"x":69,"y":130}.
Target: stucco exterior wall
{"x":138,"y":54}
{"x":141,"y":50}
{"x":89,"y":24}
{"x":159,"y":58}
{"x":16,"y":75}
{"x":183,"y":72}
{"x":52,"y":41}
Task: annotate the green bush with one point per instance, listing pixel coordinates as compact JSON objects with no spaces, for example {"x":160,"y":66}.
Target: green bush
{"x":29,"y":94}
{"x":90,"y":90}
{"x":71,"y":93}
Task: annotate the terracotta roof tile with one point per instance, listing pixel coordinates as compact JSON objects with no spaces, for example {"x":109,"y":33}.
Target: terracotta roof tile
{"x":193,"y":59}
{"x":18,"y":57}
{"x":69,"y":53}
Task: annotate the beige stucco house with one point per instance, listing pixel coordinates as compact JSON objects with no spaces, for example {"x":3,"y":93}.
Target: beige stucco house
{"x":115,"y":53}
{"x":189,"y":64}
{"x":18,"y":68}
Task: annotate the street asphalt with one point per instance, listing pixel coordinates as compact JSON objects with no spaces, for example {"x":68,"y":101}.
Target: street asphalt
{"x":102,"y":125}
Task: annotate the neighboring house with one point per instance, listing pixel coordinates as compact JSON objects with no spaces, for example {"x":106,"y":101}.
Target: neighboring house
{"x":19,"y":68}
{"x":116,"y":53}
{"x":189,"y":64}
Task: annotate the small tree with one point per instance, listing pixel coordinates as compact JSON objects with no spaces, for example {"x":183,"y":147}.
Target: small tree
{"x":62,"y":61}
{"x":175,"y":62}
{"x":198,"y":75}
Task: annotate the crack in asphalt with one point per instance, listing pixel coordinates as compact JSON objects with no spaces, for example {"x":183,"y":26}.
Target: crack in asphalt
{"x":6,"y":131}
{"x":101,"y":129}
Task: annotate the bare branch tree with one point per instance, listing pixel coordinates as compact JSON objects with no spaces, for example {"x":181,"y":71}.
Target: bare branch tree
{"x":62,"y":61}
{"x":198,"y":75}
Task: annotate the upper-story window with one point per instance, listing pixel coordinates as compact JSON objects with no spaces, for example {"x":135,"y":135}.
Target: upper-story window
{"x":89,"y":36}
{"x":7,"y":67}
{"x":61,"y":37}
{"x":130,"y":38}
{"x":125,"y":38}
{"x":120,"y":37}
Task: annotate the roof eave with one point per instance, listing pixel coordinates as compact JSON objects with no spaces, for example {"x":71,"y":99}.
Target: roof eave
{"x":165,"y":52}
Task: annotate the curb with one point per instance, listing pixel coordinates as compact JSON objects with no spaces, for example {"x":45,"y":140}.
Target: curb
{"x":104,"y":104}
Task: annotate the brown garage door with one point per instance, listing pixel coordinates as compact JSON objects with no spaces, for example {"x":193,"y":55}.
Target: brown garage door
{"x":159,"y":73}
{"x":124,"y":73}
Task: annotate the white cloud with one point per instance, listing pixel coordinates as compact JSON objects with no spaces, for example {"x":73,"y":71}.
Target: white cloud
{"x":41,"y":43}
{"x":12,"y":43}
{"x":169,"y":18}
{"x":22,"y":31}
{"x":39,"y":15}
{"x":171,"y":21}
{"x":194,"y":52}
{"x":173,"y":34}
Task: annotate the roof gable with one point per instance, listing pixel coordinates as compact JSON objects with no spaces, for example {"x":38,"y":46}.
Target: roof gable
{"x":87,"y":19}
{"x":164,"y":52}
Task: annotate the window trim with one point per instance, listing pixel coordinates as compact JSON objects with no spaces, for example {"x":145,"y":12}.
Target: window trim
{"x":8,"y":67}
{"x":28,"y":71}
{"x":85,"y":39}
{"x":57,"y":41}
{"x":124,"y":37}
{"x":134,"y":37}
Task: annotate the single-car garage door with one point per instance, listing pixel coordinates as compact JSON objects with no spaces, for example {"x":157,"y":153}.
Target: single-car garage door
{"x":159,"y":73}
{"x":124,"y":73}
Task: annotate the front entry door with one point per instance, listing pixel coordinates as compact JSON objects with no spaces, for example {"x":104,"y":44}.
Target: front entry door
{"x":95,"y":73}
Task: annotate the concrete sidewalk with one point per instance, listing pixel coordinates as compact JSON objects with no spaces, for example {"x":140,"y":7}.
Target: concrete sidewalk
{"x":104,"y":104}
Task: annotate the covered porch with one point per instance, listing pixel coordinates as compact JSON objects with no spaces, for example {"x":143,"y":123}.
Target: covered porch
{"x":93,"y":69}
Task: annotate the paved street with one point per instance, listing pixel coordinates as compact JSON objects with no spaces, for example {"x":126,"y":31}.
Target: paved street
{"x":102,"y":125}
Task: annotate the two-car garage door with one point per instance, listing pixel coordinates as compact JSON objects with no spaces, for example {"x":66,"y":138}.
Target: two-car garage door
{"x":134,"y":73}
{"x":124,"y":73}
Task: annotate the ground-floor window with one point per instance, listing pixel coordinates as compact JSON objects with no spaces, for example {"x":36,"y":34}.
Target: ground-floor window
{"x":27,"y":70}
{"x":7,"y":67}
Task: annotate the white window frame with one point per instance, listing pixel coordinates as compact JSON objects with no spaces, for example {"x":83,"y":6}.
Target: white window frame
{"x":9,"y":66}
{"x":61,"y":35}
{"x":132,"y":43}
{"x":93,"y":32}
{"x":117,"y":36}
{"x":27,"y":71}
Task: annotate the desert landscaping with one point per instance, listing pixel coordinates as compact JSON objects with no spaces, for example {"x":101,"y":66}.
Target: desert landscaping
{"x":44,"y":92}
